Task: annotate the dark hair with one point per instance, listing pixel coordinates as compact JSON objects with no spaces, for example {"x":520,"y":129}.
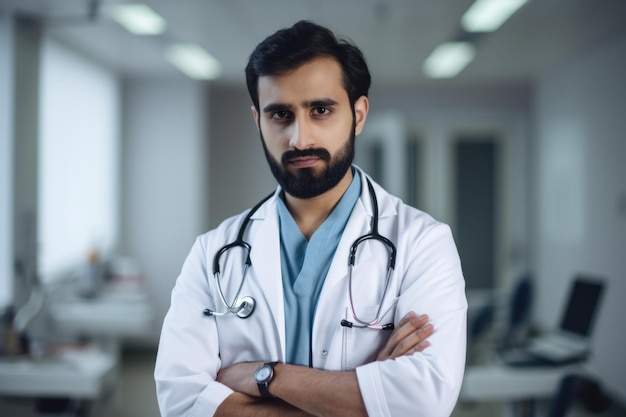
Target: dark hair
{"x":289,"y":48}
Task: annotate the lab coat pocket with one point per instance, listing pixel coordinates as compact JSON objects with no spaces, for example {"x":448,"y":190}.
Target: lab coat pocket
{"x":361,"y":345}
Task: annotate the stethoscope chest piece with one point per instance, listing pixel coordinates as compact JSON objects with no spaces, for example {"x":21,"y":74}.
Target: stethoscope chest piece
{"x":243,"y":308}
{"x":246,"y":307}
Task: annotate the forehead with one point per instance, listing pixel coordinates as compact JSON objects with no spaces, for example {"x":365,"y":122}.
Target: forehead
{"x":321,"y":77}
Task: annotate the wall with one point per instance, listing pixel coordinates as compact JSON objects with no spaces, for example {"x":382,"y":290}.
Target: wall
{"x":239,"y":175}
{"x":579,"y":194}
{"x":6,"y":161}
{"x":164,"y":156}
{"x":437,"y":116}
{"x":27,"y":47}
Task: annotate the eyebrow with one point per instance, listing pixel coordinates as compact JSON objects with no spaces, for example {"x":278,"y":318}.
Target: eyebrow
{"x":323,"y":102}
{"x":276,"y":107}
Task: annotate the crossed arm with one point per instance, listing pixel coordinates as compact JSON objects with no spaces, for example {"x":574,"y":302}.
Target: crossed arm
{"x":303,"y":391}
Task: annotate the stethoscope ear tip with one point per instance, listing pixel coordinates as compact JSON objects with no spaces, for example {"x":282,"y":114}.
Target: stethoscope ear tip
{"x":207,"y":312}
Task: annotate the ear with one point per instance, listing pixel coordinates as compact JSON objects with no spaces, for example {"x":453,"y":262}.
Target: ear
{"x":255,"y":114}
{"x":361,"y":107}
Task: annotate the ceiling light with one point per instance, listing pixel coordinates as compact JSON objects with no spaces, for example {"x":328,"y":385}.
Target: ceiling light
{"x":489,"y":15}
{"x":194,"y":61}
{"x":449,"y":59}
{"x":138,"y":19}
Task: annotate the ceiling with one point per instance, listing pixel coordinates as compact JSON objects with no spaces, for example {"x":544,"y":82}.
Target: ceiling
{"x":395,"y":35}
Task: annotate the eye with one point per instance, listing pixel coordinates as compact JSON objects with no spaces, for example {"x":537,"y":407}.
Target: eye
{"x":280,"y":115}
{"x":321,"y":111}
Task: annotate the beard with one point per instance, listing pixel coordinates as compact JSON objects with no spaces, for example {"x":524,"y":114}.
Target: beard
{"x":307,"y":182}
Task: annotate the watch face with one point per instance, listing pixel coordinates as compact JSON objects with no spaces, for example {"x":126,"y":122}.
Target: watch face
{"x":263,"y":373}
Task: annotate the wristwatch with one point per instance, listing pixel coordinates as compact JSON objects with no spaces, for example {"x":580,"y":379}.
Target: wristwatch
{"x":263,"y":376}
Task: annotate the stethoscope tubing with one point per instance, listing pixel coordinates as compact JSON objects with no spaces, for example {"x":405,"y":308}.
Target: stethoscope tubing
{"x":244,"y":307}
{"x":391,"y":249}
{"x":241,"y":307}
{"x":373,"y":324}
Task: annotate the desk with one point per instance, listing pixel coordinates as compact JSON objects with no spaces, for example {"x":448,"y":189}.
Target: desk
{"x":85,"y":374}
{"x":82,"y":373}
{"x":112,"y":315}
{"x":499,"y":382}
{"x":523,"y":391}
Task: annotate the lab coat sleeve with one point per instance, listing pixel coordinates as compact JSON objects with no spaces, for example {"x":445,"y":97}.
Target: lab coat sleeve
{"x":188,"y":356}
{"x":427,"y":383}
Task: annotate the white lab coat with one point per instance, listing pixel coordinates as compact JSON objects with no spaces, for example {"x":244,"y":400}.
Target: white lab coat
{"x":427,"y":279}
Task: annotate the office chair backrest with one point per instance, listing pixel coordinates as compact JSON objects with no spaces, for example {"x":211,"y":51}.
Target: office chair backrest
{"x":521,"y":302}
{"x":578,"y":389}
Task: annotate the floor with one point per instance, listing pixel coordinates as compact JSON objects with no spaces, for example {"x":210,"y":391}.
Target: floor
{"x":135,"y":396}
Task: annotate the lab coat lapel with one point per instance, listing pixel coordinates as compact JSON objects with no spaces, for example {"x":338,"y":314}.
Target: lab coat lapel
{"x":266,"y":265}
{"x":358,"y":225}
{"x":334,"y":296}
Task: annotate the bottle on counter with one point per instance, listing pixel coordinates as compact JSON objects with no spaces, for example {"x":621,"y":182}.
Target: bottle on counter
{"x":10,"y":337}
{"x":91,"y":276}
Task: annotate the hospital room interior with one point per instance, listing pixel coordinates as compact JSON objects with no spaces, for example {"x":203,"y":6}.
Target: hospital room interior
{"x":122,"y":140}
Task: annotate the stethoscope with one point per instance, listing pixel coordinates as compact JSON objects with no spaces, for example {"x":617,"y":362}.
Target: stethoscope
{"x":243,"y":307}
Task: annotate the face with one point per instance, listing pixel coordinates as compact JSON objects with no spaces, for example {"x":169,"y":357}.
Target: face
{"x":308,"y":127}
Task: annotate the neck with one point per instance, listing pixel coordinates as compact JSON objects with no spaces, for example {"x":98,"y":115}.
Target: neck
{"x":310,"y":213}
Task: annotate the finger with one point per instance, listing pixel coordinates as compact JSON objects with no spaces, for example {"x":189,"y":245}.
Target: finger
{"x":403,"y":329}
{"x":412,"y":340}
{"x":409,"y":323}
{"x":408,"y":316}
{"x":422,"y":346}
{"x":419,"y":348}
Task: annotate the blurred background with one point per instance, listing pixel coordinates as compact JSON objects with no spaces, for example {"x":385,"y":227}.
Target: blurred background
{"x":125,"y":132}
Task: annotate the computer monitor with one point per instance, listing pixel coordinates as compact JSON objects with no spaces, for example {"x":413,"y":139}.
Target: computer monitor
{"x":582,"y":305}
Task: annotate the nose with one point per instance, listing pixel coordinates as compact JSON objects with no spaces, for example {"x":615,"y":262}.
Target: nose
{"x":302,"y":135}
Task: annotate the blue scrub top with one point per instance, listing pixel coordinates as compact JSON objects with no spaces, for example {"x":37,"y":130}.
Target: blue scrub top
{"x":304,"y":268}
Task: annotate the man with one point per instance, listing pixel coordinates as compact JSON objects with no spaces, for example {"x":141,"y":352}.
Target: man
{"x":319,"y":337}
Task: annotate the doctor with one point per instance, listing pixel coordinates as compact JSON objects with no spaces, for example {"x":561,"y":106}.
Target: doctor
{"x":319,"y":337}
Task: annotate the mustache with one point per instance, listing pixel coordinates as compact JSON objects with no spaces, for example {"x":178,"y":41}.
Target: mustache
{"x":321,"y":153}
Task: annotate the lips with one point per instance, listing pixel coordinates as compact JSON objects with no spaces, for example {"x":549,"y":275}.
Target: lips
{"x":304,"y":162}
{"x":304,"y":158}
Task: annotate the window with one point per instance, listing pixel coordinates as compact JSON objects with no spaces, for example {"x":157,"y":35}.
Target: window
{"x":78,"y":160}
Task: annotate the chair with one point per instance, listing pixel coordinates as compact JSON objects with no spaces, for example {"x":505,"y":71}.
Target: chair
{"x":578,"y":390}
{"x":512,"y":331}
{"x":520,"y":304}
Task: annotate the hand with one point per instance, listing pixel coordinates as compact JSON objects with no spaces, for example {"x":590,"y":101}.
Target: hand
{"x":408,"y":337}
{"x":240,"y":377}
